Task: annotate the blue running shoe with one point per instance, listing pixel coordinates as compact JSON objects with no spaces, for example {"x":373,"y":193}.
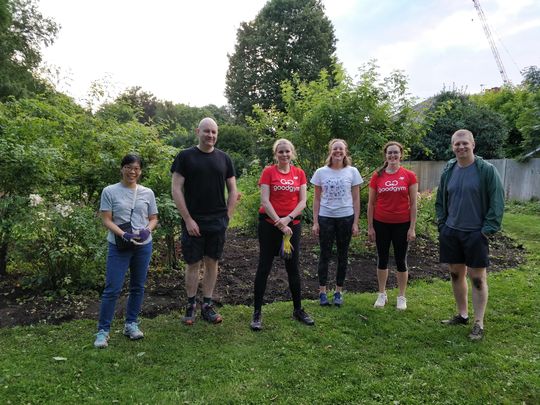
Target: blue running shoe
{"x":102,"y":339}
{"x":323,"y":300}
{"x":338,"y":299}
{"x":132,"y":331}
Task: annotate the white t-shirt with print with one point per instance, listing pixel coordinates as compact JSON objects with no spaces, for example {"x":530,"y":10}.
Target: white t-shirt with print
{"x":336,"y":185}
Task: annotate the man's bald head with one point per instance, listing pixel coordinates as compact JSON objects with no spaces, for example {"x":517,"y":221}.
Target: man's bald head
{"x":207,"y":132}
{"x":207,"y":121}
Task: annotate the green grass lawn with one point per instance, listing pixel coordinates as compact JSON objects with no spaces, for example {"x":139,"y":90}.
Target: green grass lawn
{"x":354,"y":354}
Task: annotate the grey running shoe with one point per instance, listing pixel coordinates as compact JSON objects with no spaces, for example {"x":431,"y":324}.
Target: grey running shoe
{"x":209,"y":314}
{"x":102,"y":339}
{"x":256,"y":322}
{"x":477,"y":332}
{"x":456,"y":320}
{"x":132,"y":331}
{"x":338,"y":299}
{"x":189,"y":318}
{"x":302,"y":316}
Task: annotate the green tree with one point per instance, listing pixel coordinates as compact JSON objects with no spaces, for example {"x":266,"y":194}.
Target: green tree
{"x":531,"y":77}
{"x":239,"y":142}
{"x":451,"y":111}
{"x":366,"y":114}
{"x":511,"y":103}
{"x":23,"y":31}
{"x":287,"y":37}
{"x":143,"y":102}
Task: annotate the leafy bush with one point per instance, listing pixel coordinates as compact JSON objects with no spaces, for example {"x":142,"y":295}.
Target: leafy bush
{"x":168,"y":231}
{"x":246,"y":214}
{"x":59,"y":246}
{"x":426,"y":224}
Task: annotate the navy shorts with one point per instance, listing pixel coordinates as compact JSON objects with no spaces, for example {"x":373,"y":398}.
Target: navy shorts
{"x":209,"y":244}
{"x":458,"y":247}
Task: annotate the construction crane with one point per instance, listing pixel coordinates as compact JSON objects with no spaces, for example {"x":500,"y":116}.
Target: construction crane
{"x":494,"y":50}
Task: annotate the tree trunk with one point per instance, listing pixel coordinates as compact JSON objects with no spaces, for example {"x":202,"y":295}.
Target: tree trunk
{"x":3,"y":259}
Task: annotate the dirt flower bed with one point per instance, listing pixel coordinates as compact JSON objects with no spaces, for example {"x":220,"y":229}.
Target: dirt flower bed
{"x":165,"y":290}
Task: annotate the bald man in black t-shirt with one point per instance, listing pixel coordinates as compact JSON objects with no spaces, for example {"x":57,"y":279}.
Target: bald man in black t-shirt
{"x":199,"y":177}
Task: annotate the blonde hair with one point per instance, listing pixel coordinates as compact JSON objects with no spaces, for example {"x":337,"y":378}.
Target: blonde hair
{"x":284,"y":142}
{"x":462,"y":132}
{"x":346,"y":160}
{"x":385,"y":148}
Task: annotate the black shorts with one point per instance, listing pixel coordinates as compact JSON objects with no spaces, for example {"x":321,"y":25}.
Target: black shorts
{"x":209,"y":244}
{"x":458,"y":247}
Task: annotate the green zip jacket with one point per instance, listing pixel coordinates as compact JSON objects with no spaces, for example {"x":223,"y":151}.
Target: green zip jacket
{"x":492,"y":193}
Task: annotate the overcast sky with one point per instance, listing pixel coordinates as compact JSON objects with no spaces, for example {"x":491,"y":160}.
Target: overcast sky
{"x":177,"y":49}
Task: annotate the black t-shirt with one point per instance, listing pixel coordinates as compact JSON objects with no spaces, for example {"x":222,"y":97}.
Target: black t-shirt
{"x":204,"y":186}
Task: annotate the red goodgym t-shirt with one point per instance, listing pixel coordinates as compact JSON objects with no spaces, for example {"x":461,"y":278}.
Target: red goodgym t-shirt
{"x":284,"y":188}
{"x":392,"y":204}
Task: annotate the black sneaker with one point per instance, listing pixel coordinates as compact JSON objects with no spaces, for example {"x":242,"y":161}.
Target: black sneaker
{"x":477,"y":332}
{"x":209,"y":314}
{"x":256,"y":322}
{"x":189,"y":318}
{"x":456,"y":320}
{"x":301,"y":316}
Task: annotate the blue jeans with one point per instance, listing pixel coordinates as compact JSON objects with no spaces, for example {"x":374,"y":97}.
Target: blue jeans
{"x":118,"y":262}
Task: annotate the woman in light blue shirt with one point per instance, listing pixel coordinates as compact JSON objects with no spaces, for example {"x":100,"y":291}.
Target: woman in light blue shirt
{"x":126,"y":202}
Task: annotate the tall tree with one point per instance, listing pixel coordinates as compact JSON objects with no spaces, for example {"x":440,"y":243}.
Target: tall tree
{"x":23,"y":30}
{"x":140,"y":100}
{"x":531,"y":77}
{"x":287,"y":37}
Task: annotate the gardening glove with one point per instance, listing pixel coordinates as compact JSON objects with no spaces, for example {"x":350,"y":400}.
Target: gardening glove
{"x":286,"y":247}
{"x":144,"y":234}
{"x":129,"y":237}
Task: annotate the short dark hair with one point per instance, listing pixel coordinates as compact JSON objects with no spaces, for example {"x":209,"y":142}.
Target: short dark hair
{"x":131,"y":158}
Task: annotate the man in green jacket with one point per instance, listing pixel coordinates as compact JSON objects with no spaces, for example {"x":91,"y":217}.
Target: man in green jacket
{"x":469,"y":206}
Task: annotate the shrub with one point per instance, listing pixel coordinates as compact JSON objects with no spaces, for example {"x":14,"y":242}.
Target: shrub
{"x":247,"y":211}
{"x":168,"y":231}
{"x":426,"y":224}
{"x":59,"y":246}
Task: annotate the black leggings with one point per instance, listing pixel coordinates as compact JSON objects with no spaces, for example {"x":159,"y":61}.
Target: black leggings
{"x":339,"y":229}
{"x":397,"y":235}
{"x":270,"y":239}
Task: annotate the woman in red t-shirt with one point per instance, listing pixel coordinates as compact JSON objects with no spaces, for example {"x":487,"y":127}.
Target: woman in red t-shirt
{"x":392,"y":219}
{"x":283,"y":198}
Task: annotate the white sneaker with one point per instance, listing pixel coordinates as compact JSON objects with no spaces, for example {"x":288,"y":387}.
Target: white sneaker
{"x":401,"y":303}
{"x":381,"y":300}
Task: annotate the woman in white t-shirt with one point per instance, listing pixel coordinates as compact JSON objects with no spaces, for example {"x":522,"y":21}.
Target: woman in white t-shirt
{"x":336,"y":208}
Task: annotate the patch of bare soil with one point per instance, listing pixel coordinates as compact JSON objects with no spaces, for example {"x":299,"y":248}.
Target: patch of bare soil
{"x":165,"y":290}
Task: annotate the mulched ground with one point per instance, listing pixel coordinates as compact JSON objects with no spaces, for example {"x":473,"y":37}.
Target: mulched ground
{"x":165,"y":290}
